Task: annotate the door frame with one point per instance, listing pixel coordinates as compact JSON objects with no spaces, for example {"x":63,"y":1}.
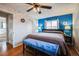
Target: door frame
{"x":9,"y":18}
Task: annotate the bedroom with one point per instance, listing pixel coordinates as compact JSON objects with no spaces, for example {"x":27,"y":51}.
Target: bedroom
{"x":21,"y":24}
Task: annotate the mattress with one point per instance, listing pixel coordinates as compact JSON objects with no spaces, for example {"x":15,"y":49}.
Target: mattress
{"x":51,"y":35}
{"x":46,"y":47}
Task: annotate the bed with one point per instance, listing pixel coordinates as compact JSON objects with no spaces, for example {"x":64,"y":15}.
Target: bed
{"x":54,"y":39}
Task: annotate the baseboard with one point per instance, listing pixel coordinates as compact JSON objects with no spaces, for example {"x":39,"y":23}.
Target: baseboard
{"x":17,"y":44}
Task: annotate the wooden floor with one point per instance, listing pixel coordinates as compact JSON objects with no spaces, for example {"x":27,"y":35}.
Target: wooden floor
{"x":18,"y":51}
{"x":72,"y":51}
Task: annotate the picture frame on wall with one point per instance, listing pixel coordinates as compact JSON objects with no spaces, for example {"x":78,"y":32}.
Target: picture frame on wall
{"x":22,"y":20}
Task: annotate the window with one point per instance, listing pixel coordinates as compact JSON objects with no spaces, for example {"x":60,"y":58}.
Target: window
{"x":51,"y":24}
{"x":55,"y":24}
{"x":48,"y":24}
{"x":2,"y":23}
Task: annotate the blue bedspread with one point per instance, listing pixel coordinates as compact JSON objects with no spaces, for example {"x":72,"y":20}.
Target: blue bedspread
{"x":49,"y":48}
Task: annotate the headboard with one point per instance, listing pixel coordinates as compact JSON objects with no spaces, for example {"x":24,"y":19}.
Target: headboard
{"x":53,"y":31}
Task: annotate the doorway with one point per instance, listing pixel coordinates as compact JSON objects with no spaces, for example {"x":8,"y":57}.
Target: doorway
{"x":3,"y":34}
{"x":6,"y":27}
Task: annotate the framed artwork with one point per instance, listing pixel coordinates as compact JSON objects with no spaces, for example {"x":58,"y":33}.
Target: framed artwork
{"x":22,"y":20}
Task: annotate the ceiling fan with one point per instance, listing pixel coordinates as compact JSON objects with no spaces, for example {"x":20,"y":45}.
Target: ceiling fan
{"x":37,"y":7}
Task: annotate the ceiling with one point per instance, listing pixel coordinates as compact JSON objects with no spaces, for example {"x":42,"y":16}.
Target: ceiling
{"x":22,"y":7}
{"x":56,"y":8}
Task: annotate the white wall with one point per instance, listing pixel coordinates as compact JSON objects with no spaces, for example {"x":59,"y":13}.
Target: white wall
{"x":20,"y":30}
{"x":76,"y":28}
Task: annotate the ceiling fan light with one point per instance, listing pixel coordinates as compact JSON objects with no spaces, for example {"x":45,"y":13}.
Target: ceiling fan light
{"x":35,"y":9}
{"x":39,"y":12}
{"x":38,"y":9}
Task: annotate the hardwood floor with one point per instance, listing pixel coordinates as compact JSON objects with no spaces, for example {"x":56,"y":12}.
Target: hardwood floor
{"x":72,"y":51}
{"x":18,"y":51}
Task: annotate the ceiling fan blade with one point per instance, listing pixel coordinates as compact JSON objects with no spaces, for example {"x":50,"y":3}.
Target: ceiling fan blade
{"x":47,"y":7}
{"x":29,"y":3}
{"x":30,"y":9}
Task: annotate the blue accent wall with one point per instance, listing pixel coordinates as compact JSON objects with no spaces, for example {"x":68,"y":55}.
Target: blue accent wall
{"x":61,"y":18}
